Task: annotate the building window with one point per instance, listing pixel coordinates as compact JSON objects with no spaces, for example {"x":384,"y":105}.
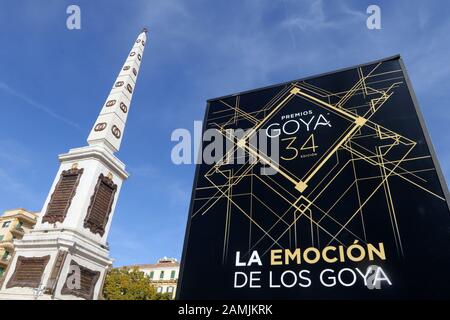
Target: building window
{"x":172,"y":274}
{"x":159,"y":290}
{"x":152,"y":273}
{"x":5,"y":256}
{"x":6,"y":224}
{"x":161,"y":275}
{"x":19,"y":225}
{"x":1,"y":271}
{"x":1,"y":237}
{"x":62,"y":196}
{"x":170,"y":289}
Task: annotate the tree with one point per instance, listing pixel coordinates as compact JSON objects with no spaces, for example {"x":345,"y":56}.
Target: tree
{"x":130,"y":284}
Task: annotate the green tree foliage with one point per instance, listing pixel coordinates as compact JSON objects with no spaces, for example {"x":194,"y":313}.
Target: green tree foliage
{"x":130,"y":284}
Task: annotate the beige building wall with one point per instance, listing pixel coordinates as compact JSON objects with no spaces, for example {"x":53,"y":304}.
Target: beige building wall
{"x":163,"y":274}
{"x":13,"y":225}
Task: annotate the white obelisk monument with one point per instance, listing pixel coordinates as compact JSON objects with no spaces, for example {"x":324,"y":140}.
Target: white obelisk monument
{"x":66,"y":256}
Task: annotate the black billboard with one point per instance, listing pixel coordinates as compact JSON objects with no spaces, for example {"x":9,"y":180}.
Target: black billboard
{"x":357,"y":207}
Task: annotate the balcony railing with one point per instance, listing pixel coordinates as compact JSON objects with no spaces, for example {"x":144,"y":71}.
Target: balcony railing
{"x":7,"y":244}
{"x":18,"y":229}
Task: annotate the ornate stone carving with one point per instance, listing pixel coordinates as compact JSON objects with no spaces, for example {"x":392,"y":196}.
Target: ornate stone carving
{"x":123,"y":107}
{"x":87,"y":282}
{"x":100,"y":126}
{"x":62,"y":196}
{"x":129,"y":88}
{"x":116,"y":131}
{"x":56,"y":271}
{"x":28,"y":272}
{"x":110,"y":103}
{"x":101,"y":204}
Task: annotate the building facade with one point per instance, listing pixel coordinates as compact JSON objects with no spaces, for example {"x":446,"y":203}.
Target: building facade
{"x":163,"y":274}
{"x":14,"y":224}
{"x":66,"y":256}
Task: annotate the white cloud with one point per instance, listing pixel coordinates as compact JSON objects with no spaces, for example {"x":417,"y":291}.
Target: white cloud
{"x":307,"y":17}
{"x":14,"y":154}
{"x":6,"y":88}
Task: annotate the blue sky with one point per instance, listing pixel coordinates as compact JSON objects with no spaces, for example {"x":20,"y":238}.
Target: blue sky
{"x":53,"y":82}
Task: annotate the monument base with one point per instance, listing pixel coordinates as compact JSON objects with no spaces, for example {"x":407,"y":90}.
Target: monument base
{"x":56,"y":264}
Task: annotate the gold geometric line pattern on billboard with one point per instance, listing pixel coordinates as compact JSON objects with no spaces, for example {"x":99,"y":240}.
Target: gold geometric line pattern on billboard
{"x":390,"y":157}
